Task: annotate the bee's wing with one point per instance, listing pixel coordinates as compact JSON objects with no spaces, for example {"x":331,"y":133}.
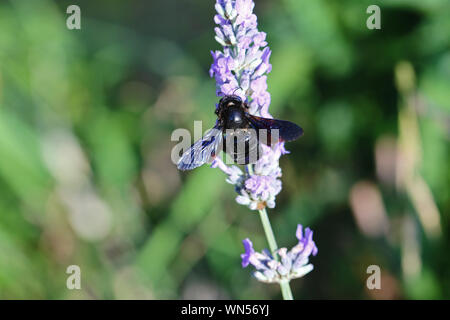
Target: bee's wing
{"x":202,"y":151}
{"x":287,"y":131}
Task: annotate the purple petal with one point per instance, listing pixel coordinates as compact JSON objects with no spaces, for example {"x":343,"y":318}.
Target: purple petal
{"x":248,"y":246}
{"x":299,"y":232}
{"x":306,"y":240}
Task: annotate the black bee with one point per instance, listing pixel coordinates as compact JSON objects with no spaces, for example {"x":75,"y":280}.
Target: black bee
{"x":239,"y":134}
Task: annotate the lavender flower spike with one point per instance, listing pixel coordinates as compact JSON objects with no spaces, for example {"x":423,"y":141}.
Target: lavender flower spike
{"x":241,"y":69}
{"x":291,"y":265}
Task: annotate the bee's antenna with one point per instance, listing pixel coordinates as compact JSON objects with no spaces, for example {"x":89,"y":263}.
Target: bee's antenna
{"x":235,"y":90}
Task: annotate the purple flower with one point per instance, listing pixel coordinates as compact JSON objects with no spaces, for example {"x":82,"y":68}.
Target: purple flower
{"x":248,"y":246}
{"x":240,"y":69}
{"x":291,"y":264}
{"x":307,"y":242}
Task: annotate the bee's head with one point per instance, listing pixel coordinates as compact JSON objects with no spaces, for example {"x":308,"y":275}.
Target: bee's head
{"x":227,"y":102}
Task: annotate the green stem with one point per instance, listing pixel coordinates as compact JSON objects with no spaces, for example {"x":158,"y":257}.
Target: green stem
{"x":285,"y":288}
{"x":269,"y":233}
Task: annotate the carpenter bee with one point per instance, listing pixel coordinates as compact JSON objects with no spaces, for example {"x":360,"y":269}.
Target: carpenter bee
{"x":239,"y":134}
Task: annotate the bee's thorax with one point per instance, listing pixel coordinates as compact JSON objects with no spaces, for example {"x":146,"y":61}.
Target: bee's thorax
{"x":234,"y":117}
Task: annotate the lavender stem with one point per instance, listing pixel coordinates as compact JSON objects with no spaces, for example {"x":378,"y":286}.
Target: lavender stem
{"x":285,"y":288}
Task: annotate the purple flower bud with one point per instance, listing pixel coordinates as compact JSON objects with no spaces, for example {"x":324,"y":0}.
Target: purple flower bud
{"x":306,"y":241}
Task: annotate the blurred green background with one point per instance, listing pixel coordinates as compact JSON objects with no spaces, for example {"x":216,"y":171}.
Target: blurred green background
{"x":86,"y":118}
